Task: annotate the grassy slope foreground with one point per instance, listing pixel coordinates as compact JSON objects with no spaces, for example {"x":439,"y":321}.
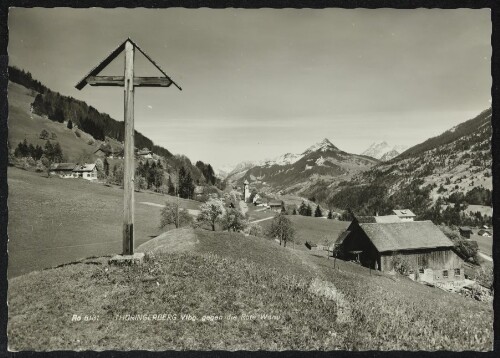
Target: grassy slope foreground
{"x":54,"y":221}
{"x":236,"y":292}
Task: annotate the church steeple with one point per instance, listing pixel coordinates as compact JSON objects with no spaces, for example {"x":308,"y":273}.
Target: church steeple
{"x":246,"y":191}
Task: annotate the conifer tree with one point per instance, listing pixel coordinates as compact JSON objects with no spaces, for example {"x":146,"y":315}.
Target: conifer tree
{"x":330,"y":214}
{"x":318,"y":213}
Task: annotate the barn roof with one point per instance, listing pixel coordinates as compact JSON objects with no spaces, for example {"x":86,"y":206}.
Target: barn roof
{"x":378,"y":219}
{"x":405,"y":236}
{"x":342,"y":236}
{"x":387,"y":219}
{"x":366,"y":219}
{"x":144,"y":152}
{"x":403,"y":212}
{"x":84,"y":168}
{"x":62,"y":166}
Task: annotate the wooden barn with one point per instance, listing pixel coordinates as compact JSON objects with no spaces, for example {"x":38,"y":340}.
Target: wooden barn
{"x":421,"y":244}
{"x":63,"y":170}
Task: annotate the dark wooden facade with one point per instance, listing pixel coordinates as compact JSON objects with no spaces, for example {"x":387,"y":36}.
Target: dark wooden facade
{"x":439,"y":264}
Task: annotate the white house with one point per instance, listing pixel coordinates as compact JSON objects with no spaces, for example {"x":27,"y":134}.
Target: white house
{"x":405,"y":214}
{"x":86,"y":171}
{"x":145,"y":153}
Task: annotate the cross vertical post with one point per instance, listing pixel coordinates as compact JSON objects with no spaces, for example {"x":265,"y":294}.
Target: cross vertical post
{"x":129,"y":82}
{"x":129,"y":169}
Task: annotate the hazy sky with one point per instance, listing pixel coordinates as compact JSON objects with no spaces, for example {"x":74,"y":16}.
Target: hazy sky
{"x":260,"y":83}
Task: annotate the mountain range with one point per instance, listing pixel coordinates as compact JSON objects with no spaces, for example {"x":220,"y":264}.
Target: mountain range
{"x":450,"y":164}
{"x":295,"y":173}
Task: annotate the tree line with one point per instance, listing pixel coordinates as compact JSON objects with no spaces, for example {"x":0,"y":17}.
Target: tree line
{"x":51,"y":152}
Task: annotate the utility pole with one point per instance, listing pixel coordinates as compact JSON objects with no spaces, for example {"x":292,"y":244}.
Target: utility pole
{"x":128,"y":81}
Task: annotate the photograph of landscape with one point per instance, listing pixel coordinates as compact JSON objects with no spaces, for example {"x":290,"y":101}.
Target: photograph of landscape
{"x":250,"y":179}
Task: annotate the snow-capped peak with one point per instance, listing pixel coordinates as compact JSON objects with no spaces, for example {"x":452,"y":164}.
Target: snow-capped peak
{"x":383,"y":150}
{"x":288,"y":158}
{"x":323,"y":146}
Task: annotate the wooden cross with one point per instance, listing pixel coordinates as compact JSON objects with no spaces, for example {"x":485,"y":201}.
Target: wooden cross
{"x":129,"y":82}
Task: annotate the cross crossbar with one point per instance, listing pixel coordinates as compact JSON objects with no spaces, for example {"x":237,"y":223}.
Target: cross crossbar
{"x":138,"y":81}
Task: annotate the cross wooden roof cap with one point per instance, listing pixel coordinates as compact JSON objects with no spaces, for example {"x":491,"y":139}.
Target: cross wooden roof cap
{"x":97,"y":69}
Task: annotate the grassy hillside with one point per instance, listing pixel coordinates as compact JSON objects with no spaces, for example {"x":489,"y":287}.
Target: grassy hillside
{"x":237,"y":293}
{"x":54,"y":221}
{"x":315,"y":230}
{"x":24,"y":124}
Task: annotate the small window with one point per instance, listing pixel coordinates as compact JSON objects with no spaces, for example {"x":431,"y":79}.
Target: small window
{"x":457,"y":272}
{"x":421,"y":270}
{"x":445,"y":273}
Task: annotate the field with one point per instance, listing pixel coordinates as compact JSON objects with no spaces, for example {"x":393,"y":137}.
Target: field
{"x":228,"y":291}
{"x":315,"y":230}
{"x":54,"y":221}
{"x":485,"y":244}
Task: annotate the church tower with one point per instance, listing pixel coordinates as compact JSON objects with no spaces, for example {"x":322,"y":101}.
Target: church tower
{"x":246,"y":191}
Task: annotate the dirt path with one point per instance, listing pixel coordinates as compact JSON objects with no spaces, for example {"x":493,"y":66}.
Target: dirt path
{"x":258,"y":221}
{"x":193,"y":212}
{"x":323,"y":287}
{"x":486,"y":257}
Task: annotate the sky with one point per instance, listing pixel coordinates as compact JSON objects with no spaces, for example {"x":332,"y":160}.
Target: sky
{"x":258,"y":83}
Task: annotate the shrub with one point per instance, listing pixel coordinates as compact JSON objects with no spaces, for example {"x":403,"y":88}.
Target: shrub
{"x":402,"y":265}
{"x":171,"y":214}
{"x":44,"y":134}
{"x":233,"y":219}
{"x":40,"y":167}
{"x":255,"y":230}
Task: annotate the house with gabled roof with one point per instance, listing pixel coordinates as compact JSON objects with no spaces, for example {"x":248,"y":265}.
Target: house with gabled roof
{"x":404,"y":214}
{"x":106,"y":150}
{"x":421,"y":244}
{"x":63,"y":170}
{"x":86,"y":171}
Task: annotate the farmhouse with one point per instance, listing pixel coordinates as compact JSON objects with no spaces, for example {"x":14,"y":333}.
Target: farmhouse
{"x":404,"y":214}
{"x":107,"y":151}
{"x":484,"y":233}
{"x":63,"y":170}
{"x":145,"y":153}
{"x":421,"y":244}
{"x":275,"y":206}
{"x":85,"y":171}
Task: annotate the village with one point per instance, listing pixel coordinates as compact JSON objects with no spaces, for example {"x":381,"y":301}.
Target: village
{"x":393,"y":244}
